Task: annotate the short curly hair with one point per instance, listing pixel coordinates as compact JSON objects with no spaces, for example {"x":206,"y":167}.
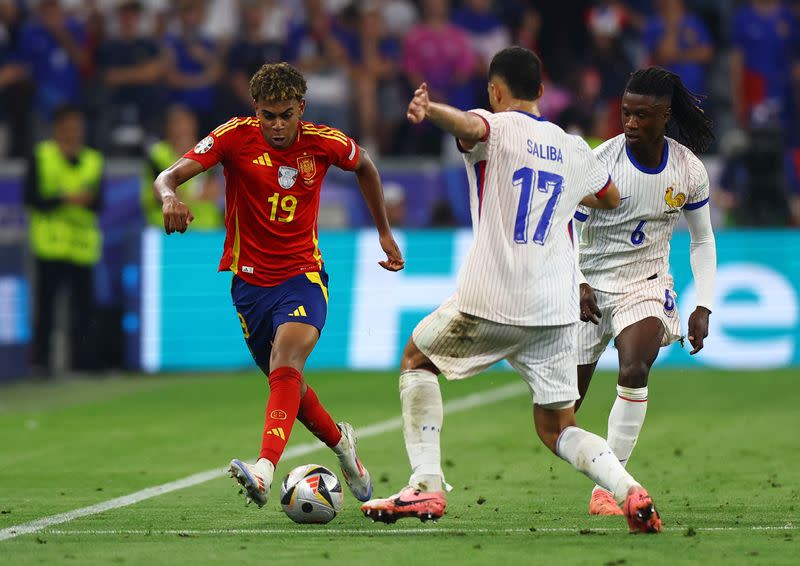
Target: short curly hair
{"x":277,"y":81}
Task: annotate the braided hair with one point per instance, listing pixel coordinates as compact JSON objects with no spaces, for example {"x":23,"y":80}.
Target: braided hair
{"x":688,"y":121}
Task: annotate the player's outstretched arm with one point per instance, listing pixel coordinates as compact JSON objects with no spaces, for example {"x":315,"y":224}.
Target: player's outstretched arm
{"x":607,"y":198}
{"x":469,"y":128}
{"x":703,"y":258}
{"x":177,"y":215}
{"x":369,"y":181}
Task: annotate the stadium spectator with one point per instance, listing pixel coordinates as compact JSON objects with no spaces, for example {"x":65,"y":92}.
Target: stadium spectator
{"x":52,"y":46}
{"x":15,"y":87}
{"x":680,"y":42}
{"x":221,"y":20}
{"x":194,"y":64}
{"x":764,"y":62}
{"x":63,"y":194}
{"x":316,"y":49}
{"x":607,"y":64}
{"x":399,"y":15}
{"x":755,"y":181}
{"x":378,"y":80}
{"x":527,"y":28}
{"x":251,"y":50}
{"x":131,"y":69}
{"x":440,"y":54}
{"x":487,"y":34}
{"x":201,"y":193}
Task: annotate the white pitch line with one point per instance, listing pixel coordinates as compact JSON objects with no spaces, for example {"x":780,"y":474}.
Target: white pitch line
{"x":457,"y":405}
{"x":396,"y":531}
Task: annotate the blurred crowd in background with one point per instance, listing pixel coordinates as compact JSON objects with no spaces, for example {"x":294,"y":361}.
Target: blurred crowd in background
{"x":86,"y":84}
{"x":129,"y":65}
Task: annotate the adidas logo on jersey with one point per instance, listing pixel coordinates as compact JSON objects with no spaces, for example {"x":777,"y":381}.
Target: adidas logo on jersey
{"x":263,"y":160}
{"x":299,"y":311}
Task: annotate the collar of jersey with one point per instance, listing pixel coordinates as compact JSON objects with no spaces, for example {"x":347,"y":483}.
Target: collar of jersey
{"x":649,"y":170}
{"x":534,"y":116}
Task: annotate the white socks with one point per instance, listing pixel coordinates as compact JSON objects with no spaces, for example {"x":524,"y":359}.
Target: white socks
{"x":625,"y":421}
{"x":421,"y":399}
{"x":591,"y":455}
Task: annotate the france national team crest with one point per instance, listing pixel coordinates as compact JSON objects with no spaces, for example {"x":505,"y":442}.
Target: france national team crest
{"x":287,"y":176}
{"x":674,"y":201}
{"x":308,"y":168}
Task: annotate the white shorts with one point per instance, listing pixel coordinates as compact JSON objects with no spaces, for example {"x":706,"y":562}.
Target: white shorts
{"x":463,"y":345}
{"x":650,"y":298}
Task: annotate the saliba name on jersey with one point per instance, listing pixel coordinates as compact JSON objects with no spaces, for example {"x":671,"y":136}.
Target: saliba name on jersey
{"x":547,"y":152}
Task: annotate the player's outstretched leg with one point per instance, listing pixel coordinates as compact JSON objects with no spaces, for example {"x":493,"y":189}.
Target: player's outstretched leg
{"x":284,"y":401}
{"x":624,"y":424}
{"x":355,"y":474}
{"x":591,"y":455}
{"x":341,"y":439}
{"x":423,"y":413}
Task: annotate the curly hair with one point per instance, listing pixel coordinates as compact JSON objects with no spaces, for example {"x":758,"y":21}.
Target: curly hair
{"x":689,"y":123}
{"x":276,"y":82}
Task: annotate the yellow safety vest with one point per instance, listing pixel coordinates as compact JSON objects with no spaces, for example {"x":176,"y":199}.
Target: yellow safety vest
{"x":207,"y":215}
{"x":68,"y":232}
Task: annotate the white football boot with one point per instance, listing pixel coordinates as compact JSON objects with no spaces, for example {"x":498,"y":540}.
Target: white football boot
{"x":256,"y":479}
{"x":355,"y":474}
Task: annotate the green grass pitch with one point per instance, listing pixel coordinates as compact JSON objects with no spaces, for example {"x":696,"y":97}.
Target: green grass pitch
{"x":720,"y":453}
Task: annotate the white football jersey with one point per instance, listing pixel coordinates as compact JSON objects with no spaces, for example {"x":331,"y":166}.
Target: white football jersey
{"x":623,"y":246}
{"x":525,"y":181}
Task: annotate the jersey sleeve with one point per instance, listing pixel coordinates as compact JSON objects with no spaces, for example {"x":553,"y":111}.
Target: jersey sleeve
{"x":596,"y":177}
{"x":211,"y":149}
{"x":342,"y":150}
{"x":480,"y":150}
{"x":698,"y":185}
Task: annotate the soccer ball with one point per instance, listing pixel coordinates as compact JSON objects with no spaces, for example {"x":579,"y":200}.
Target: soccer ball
{"x":311,"y":494}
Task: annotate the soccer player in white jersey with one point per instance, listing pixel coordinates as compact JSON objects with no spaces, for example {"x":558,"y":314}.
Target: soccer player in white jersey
{"x":624,"y":253}
{"x":517,"y":296}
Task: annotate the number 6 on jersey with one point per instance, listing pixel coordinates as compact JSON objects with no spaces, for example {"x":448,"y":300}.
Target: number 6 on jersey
{"x":545,"y":182}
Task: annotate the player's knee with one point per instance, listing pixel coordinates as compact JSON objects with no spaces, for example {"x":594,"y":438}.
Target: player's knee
{"x":287,"y":357}
{"x":634,"y":373}
{"x":413,"y":359}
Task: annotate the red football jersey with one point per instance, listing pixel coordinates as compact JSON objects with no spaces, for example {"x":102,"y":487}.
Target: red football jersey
{"x":272,"y":195}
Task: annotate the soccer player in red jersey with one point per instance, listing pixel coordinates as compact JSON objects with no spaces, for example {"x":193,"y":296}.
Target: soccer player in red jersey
{"x":274,"y":164}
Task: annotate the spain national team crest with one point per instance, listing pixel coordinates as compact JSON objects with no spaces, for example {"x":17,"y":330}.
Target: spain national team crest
{"x":674,"y":201}
{"x":308,"y":168}
{"x":287,"y":176}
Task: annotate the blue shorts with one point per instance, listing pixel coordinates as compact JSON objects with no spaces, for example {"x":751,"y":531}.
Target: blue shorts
{"x":261,"y":310}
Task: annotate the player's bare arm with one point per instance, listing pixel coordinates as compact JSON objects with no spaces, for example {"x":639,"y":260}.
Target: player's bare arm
{"x":369,"y":181}
{"x":467,"y":127}
{"x":606,"y":199}
{"x":177,"y":215}
{"x":703,"y":258}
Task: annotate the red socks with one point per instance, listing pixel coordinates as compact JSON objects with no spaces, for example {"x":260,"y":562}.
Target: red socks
{"x":282,"y":407}
{"x":317,"y":420}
